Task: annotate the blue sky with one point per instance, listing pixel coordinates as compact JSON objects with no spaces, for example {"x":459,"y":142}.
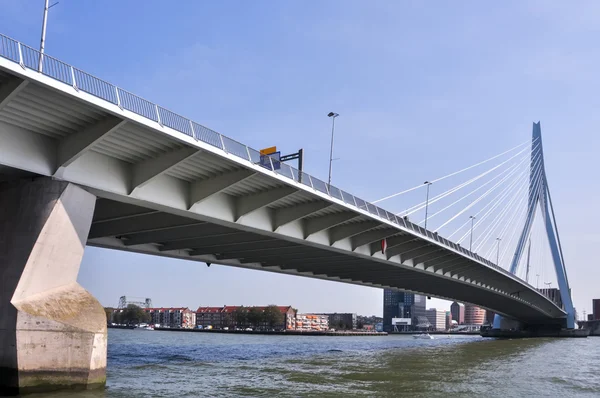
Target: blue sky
{"x":422,"y":89}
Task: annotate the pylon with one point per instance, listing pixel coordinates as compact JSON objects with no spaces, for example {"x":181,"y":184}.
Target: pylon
{"x":539,"y":193}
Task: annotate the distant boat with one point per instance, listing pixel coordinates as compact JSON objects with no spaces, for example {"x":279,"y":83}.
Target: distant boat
{"x":425,"y":336}
{"x":147,"y":327}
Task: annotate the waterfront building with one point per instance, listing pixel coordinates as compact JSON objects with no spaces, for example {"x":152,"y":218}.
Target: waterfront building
{"x":448,"y":320}
{"x":474,"y":315}
{"x":180,"y":317}
{"x":341,"y":320}
{"x":458,"y":312}
{"x":437,"y":318}
{"x":489,"y":317}
{"x":226,"y":316}
{"x":400,"y":304}
{"x":596,"y":309}
{"x":312,"y":322}
{"x":209,"y":317}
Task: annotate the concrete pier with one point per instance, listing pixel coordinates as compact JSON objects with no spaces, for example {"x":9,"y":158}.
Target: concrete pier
{"x":52,"y":331}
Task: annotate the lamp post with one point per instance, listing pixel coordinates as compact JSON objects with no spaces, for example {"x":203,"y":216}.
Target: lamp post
{"x":498,"y":251}
{"x":547,"y":292}
{"x":471,"y":240}
{"x":43,"y":40}
{"x":332,"y":115}
{"x":427,"y":201}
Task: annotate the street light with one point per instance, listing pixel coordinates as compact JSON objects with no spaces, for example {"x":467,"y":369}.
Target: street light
{"x":43,"y":40}
{"x":471,"y":240}
{"x":498,"y":250}
{"x":332,"y":115}
{"x":427,"y":201}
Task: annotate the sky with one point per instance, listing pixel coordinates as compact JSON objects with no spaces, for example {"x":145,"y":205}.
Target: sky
{"x":422,"y":89}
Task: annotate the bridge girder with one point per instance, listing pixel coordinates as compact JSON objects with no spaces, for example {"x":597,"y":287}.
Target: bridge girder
{"x":110,"y":163}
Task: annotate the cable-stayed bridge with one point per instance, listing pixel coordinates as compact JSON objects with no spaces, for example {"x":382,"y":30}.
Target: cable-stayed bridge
{"x":86,"y":162}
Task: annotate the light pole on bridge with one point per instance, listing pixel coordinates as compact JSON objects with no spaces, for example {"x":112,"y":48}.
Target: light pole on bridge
{"x":498,"y":251}
{"x":43,"y":40}
{"x":332,"y":115}
{"x":427,"y":201}
{"x":471,"y":240}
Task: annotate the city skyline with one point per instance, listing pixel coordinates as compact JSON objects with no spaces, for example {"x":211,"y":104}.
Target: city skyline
{"x":391,"y":108}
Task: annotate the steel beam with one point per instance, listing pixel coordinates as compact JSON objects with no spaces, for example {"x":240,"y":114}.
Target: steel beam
{"x":75,"y":145}
{"x":254,"y":254}
{"x":204,"y":189}
{"x":348,"y":230}
{"x":430,"y":255}
{"x":405,"y":247}
{"x":195,"y":231}
{"x":141,"y":223}
{"x":239,"y":248}
{"x":318,"y":224}
{"x":108,"y":210}
{"x":372,"y":236}
{"x":10,"y":89}
{"x":392,"y":242}
{"x":212,"y":240}
{"x":286,"y":215}
{"x":247,"y":204}
{"x":147,"y":170}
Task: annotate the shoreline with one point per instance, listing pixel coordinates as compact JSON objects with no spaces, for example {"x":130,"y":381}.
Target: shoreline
{"x":280,"y":333}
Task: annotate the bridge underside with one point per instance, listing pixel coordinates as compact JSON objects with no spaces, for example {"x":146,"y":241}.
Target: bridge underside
{"x":135,"y":228}
{"x":122,"y":226}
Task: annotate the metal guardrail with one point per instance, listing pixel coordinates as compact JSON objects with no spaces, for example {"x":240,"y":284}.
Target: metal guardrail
{"x":31,"y":58}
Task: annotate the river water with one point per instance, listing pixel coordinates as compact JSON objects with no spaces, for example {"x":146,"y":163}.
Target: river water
{"x":176,"y":364}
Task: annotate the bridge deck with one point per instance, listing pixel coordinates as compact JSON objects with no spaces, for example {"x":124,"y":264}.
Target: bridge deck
{"x":186,"y":191}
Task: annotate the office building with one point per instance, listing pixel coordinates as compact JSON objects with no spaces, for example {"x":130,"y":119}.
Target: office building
{"x":474,"y":315}
{"x":448,"y":320}
{"x":458,"y":312}
{"x":400,"y":304}
{"x":489,"y":317}
{"x":341,"y":320}
{"x":596,"y":308}
{"x":437,"y":319}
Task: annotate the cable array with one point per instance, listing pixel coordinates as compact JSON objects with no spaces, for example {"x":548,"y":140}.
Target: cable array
{"x":485,"y":207}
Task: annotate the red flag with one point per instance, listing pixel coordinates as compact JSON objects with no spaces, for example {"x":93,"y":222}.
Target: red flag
{"x":383,"y":245}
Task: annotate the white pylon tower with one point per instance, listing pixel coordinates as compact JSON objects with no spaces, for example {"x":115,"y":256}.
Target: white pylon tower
{"x":539,"y":193}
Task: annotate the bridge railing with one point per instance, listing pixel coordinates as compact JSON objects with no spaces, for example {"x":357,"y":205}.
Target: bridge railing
{"x":31,"y":58}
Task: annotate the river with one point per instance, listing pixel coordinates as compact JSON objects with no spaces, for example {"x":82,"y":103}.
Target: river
{"x":175,"y":364}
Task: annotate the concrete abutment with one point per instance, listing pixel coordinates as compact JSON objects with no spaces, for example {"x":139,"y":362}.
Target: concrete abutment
{"x":52,"y":331}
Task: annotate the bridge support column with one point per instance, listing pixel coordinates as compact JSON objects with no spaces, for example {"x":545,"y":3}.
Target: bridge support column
{"x":503,"y":323}
{"x":52,"y":331}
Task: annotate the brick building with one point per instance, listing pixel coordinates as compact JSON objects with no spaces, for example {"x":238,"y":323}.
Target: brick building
{"x":209,"y":316}
{"x":226,"y":316}
{"x":180,"y":317}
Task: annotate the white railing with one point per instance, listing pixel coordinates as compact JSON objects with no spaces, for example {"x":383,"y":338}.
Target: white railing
{"x":29,"y":58}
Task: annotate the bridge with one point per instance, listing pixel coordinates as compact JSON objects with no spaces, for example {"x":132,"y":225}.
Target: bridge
{"x":83,"y":162}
